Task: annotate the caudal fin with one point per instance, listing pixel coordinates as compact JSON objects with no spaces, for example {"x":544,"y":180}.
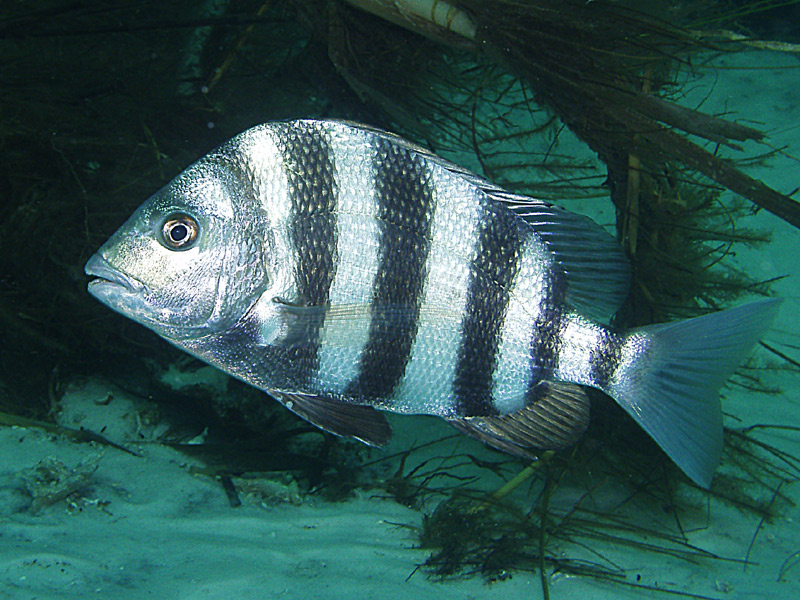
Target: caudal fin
{"x":670,"y":384}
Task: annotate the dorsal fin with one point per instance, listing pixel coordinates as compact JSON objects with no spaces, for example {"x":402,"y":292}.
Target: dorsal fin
{"x":598,"y":272}
{"x":556,"y":420}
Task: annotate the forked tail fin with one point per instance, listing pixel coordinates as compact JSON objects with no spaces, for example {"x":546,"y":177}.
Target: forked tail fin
{"x":670,"y":378}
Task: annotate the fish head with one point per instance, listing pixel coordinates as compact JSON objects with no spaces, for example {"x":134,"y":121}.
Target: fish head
{"x":190,"y":261}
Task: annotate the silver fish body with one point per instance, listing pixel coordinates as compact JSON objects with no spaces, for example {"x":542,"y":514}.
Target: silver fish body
{"x":344,"y":270}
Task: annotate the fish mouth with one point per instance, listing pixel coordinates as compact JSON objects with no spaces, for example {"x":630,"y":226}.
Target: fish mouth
{"x":109,"y":281}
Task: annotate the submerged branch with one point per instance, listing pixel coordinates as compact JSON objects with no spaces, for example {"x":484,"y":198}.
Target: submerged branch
{"x":671,"y":144}
{"x":594,"y":85}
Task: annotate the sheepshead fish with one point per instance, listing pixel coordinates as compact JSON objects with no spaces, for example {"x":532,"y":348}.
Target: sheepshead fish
{"x":346,"y":271}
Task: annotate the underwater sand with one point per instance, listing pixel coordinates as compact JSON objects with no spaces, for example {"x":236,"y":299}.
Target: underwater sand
{"x":145,"y":527}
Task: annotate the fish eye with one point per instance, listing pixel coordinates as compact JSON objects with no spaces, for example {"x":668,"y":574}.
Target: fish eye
{"x":179,"y":231}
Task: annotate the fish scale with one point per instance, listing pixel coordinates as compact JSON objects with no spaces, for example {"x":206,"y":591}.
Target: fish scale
{"x":404,"y":202}
{"x":358,"y":232}
{"x":496,"y":261}
{"x":343,"y":269}
{"x":312,"y":234}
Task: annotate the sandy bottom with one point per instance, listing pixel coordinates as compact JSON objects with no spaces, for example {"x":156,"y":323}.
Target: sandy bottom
{"x":145,"y":527}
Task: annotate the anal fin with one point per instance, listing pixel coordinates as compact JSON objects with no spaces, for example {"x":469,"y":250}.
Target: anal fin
{"x":363,"y":423}
{"x":557,"y":419}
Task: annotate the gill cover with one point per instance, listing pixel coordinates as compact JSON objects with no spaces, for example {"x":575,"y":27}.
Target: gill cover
{"x":190,"y":260}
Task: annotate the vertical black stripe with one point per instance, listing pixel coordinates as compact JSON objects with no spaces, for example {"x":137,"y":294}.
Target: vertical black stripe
{"x":404,"y":207}
{"x":312,"y":187}
{"x":547,"y":334}
{"x":605,"y":358}
{"x":497,"y":260}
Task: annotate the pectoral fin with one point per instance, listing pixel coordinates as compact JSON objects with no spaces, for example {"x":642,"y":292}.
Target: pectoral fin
{"x":363,"y":423}
{"x":556,"y":420}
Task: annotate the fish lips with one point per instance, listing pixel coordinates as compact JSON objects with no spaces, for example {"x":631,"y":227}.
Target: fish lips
{"x":114,"y":288}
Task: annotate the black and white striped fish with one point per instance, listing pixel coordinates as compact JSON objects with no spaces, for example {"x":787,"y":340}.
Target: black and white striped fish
{"x":343,"y":270}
